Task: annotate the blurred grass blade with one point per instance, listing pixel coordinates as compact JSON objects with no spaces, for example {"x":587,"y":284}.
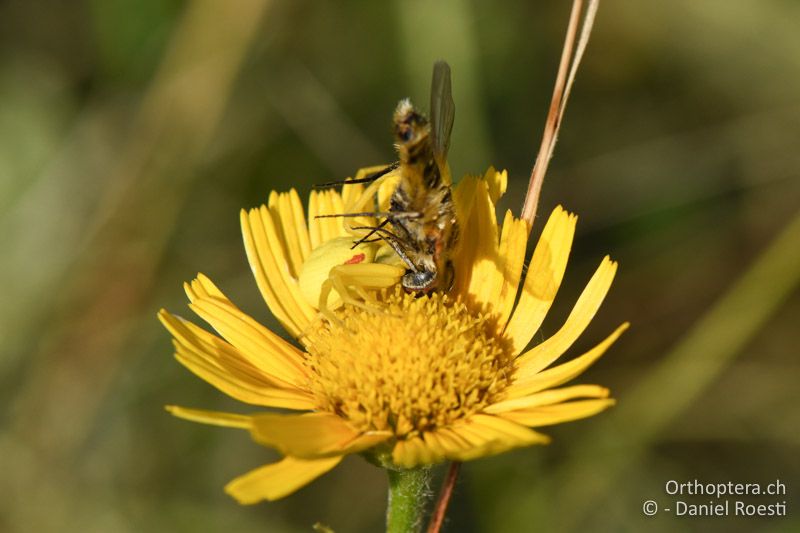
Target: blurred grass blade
{"x":94,"y":310}
{"x":317,"y":118}
{"x":430,"y":31}
{"x":619,"y":441}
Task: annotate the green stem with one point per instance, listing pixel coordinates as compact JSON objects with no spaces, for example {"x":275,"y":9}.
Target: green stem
{"x":409,"y":496}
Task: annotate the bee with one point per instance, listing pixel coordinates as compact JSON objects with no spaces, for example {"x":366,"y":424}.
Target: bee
{"x":423,"y":227}
{"x":420,"y":224}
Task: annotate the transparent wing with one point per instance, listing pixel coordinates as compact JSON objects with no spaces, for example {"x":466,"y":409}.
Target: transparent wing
{"x":443,"y":111}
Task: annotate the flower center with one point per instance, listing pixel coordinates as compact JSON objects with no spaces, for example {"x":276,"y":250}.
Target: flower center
{"x":419,"y":364}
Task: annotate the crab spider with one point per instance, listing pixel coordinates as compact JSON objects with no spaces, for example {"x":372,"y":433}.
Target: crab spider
{"x":359,"y":279}
{"x":354,"y":274}
{"x":353,"y":267}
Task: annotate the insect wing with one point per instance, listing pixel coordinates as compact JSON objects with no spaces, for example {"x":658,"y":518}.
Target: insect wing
{"x":443,"y":111}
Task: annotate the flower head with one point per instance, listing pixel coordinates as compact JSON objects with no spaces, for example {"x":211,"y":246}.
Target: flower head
{"x":407,"y":380}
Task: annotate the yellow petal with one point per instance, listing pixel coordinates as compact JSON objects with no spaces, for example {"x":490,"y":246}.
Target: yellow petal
{"x":351,"y":192}
{"x":358,"y":199}
{"x":487,"y":268}
{"x":314,"y":223}
{"x":414,"y":452}
{"x":549,"y":397}
{"x":281,"y":275}
{"x":265,"y":350}
{"x":323,"y":203}
{"x":511,"y":255}
{"x":366,"y":441}
{"x":476,"y":260}
{"x":497,"y":429}
{"x":385,"y":188}
{"x":335,"y":206}
{"x":489,"y":435}
{"x":556,"y":414}
{"x":542,"y":355}
{"x":436,"y":445}
{"x":545,"y":272}
{"x":311,"y":435}
{"x":464,"y":199}
{"x":529,"y":383}
{"x":238,"y":388}
{"x":222,"y":366}
{"x":277,"y":480}
{"x":497,"y":182}
{"x":214,"y":418}
{"x":287,"y":212}
{"x":271,"y":270}
{"x":452,"y":444}
{"x":403,"y":456}
{"x":479,"y":436}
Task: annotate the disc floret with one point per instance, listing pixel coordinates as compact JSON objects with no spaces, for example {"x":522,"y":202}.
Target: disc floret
{"x":424,"y":363}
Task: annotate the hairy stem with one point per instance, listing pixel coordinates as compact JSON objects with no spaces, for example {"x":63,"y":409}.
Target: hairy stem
{"x":409,"y":496}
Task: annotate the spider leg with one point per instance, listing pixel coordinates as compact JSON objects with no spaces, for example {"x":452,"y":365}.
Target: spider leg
{"x":352,"y":281}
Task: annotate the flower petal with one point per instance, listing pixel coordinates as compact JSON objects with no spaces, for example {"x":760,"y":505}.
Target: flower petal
{"x":548,"y":415}
{"x":464,"y":198}
{"x":479,"y":436}
{"x":478,"y":264}
{"x":214,"y":418}
{"x":549,"y":397}
{"x":358,"y":199}
{"x":414,"y":452}
{"x":542,"y":355}
{"x":287,"y":212}
{"x":236,"y":387}
{"x":221,"y":365}
{"x":513,"y":242}
{"x":385,"y":188}
{"x":489,"y":435}
{"x":314,"y":223}
{"x":366,"y":441}
{"x":277,"y":480}
{"x":311,"y":435}
{"x":497,"y":183}
{"x":528,"y":383}
{"x":321,"y":230}
{"x":272,"y":271}
{"x":545,"y":272}
{"x":453,"y":443}
{"x":476,"y":260}
{"x":265,"y":350}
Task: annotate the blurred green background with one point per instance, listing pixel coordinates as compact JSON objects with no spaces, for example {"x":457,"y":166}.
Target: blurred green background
{"x":133,"y":131}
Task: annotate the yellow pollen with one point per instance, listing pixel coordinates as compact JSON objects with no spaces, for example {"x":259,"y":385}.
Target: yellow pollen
{"x":422,"y":363}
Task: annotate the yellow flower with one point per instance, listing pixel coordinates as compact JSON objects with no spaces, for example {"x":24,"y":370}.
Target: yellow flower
{"x":443,"y":376}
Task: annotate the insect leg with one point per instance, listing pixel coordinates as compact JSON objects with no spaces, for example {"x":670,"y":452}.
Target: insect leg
{"x":367,"y":179}
{"x":392,"y":214}
{"x":395,"y":242}
{"x":366,"y":238}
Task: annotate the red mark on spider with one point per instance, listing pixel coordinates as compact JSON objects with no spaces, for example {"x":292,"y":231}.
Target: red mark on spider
{"x":355,"y":259}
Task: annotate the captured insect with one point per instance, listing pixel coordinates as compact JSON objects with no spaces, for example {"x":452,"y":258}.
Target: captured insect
{"x":421,"y":224}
